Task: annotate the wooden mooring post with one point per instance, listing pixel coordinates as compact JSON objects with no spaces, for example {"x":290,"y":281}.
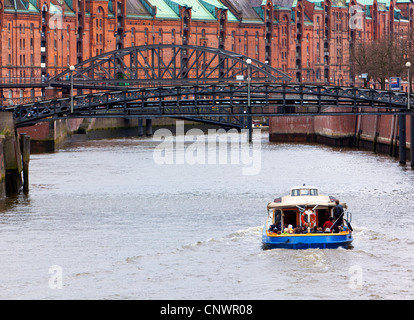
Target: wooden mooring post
{"x":25,"y":150}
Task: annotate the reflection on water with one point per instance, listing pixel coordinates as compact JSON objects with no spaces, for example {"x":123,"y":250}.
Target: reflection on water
{"x":122,"y":227}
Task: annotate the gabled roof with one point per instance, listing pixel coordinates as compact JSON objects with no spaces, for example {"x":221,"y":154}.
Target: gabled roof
{"x":247,"y":10}
{"x":198,"y":11}
{"x":285,"y":3}
{"x":212,"y":4}
{"x":165,"y":9}
{"x":137,"y":9}
{"x":16,"y":5}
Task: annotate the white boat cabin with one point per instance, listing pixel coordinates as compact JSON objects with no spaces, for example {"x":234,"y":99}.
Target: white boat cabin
{"x":304,"y":191}
{"x":288,"y":210}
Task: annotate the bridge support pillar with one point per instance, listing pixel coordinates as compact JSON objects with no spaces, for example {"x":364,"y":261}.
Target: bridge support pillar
{"x":250,"y":127}
{"x":402,"y":139}
{"x":65,"y":92}
{"x":52,"y":92}
{"x":140,"y":128}
{"x":148,"y":127}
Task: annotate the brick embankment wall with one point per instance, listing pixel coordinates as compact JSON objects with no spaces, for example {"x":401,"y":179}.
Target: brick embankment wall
{"x":49,"y":136}
{"x":378,"y":133}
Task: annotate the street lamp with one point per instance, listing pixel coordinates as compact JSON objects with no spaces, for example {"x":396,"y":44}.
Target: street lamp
{"x":71,"y":68}
{"x":408,"y":65}
{"x":249,"y":117}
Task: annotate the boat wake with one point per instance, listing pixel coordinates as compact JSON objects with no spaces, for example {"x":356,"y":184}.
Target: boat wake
{"x":249,"y":234}
{"x":367,"y":234}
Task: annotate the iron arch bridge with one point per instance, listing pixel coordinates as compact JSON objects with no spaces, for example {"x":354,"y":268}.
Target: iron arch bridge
{"x":160,"y":64}
{"x":222,"y":104}
{"x":196,"y":83}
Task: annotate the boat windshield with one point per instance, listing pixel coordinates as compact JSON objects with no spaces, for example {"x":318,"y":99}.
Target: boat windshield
{"x":304,"y":192}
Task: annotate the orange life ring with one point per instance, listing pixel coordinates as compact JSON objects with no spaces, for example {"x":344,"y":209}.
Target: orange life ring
{"x":312,"y":218}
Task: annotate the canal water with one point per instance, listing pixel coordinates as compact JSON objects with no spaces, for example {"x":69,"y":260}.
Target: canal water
{"x":105,"y":220}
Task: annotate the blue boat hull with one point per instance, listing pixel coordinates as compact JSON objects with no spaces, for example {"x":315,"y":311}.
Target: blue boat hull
{"x":306,"y":241}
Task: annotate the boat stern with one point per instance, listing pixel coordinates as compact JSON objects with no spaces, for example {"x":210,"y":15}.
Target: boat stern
{"x":272,"y":240}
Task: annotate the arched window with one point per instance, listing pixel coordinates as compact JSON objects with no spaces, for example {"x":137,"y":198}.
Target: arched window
{"x":99,"y":30}
{"x":44,"y":13}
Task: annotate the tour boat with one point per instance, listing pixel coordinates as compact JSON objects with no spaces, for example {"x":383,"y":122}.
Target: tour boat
{"x":296,"y":221}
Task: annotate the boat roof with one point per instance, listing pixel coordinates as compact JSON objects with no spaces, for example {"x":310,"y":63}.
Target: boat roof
{"x":289,"y":201}
{"x":304,"y":187}
{"x":323,"y":202}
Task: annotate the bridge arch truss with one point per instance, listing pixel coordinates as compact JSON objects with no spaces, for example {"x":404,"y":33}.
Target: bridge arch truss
{"x":166,"y":64}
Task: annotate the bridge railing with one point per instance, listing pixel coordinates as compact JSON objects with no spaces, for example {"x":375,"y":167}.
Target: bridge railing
{"x":215,"y":101}
{"x":22,"y":80}
{"x":9,"y":102}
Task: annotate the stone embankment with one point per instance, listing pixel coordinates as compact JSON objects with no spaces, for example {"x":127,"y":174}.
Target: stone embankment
{"x":379,"y":133}
{"x":52,"y":135}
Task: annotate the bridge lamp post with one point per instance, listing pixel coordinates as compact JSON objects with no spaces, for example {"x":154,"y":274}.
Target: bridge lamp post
{"x":402,"y":124}
{"x":249,"y":117}
{"x":71,"y":68}
{"x":408,"y":65}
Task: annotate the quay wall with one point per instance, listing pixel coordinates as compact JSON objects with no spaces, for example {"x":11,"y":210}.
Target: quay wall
{"x":51,"y":135}
{"x":48,"y":136}
{"x":378,"y":133}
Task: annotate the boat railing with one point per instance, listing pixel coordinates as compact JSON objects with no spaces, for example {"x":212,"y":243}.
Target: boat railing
{"x":269,"y":220}
{"x":349,"y":216}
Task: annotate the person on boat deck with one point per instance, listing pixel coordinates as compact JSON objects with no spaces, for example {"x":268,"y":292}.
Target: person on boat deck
{"x":328,"y":224}
{"x":275,"y":227}
{"x":338,"y":213}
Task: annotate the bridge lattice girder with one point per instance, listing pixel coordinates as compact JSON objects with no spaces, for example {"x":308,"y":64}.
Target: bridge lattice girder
{"x":161,"y":64}
{"x":226,"y":105}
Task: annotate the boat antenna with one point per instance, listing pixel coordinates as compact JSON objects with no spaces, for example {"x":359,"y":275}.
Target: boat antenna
{"x":301,"y":209}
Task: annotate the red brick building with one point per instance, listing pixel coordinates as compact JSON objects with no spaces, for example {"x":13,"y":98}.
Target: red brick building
{"x":308,"y":39}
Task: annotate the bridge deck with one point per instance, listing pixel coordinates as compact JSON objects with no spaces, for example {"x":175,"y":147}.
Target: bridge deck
{"x":218,"y":103}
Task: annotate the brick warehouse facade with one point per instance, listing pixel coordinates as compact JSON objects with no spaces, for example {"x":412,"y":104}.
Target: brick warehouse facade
{"x":308,"y":39}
